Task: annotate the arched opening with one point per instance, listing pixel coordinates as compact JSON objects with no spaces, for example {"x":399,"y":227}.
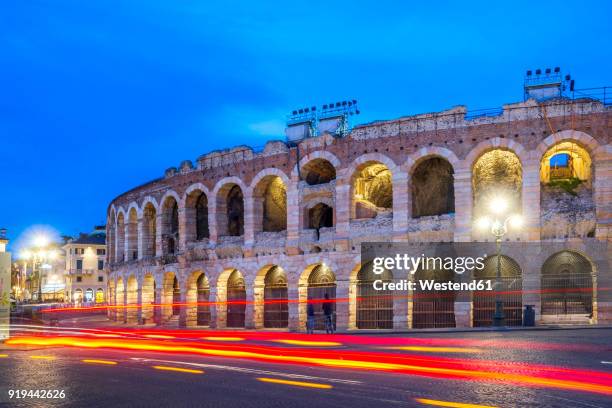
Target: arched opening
{"x":433,"y":308}
{"x":510,"y":288}
{"x":132,"y":300}
{"x":432,"y":187}
{"x":236,"y":299}
{"x":148,"y":298}
{"x":171,"y":296}
{"x":230,"y":211}
{"x":567,"y":205}
{"x":78,"y":296}
{"x":99,"y":296}
{"x":318,"y":171}
{"x":320,"y":216}
{"x":322,"y":282}
{"x":374,"y":307}
{"x":565,"y":161}
{"x":497,"y":173}
{"x":196,"y":213}
{"x":203,"y":297}
{"x":119,"y":300}
{"x":270,"y":205}
{"x":120,"y":238}
{"x":372,"y":191}
{"x":149,"y":231}
{"x":276,"y":308}
{"x":567,"y":285}
{"x":132,"y":235}
{"x":89,"y":295}
{"x":170,"y":226}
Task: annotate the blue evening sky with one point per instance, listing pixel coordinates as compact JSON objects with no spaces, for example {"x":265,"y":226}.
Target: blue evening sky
{"x":97,"y":96}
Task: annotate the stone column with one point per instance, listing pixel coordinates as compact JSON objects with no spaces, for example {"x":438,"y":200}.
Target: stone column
{"x":141,"y":234}
{"x":293,"y":217}
{"x":213,"y":307}
{"x":157,"y":310}
{"x":400,"y":308}
{"x":293,"y":306}
{"x":531,"y":270}
{"x":463,"y":205}
{"x":184,"y":309}
{"x":343,"y":209}
{"x":602,"y":186}
{"x":401,"y":204}
{"x":249,"y":219}
{"x":531,"y":199}
{"x":249,"y":321}
{"x":258,"y":305}
{"x":342,"y":308}
{"x":213,"y":228}
{"x":182,"y":220}
{"x":221,"y":299}
{"x":159,"y":247}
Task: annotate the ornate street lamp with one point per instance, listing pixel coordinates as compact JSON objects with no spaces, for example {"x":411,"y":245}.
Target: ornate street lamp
{"x":497,"y":223}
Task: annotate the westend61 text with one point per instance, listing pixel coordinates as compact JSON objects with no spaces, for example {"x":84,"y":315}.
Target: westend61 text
{"x":426,"y":285}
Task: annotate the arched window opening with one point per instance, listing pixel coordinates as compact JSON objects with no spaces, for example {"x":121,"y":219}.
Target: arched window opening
{"x":497,"y":173}
{"x":99,"y":296}
{"x":170,"y":226}
{"x":276,"y":308}
{"x":318,"y":171}
{"x":433,"y":191}
{"x":567,"y":285}
{"x":201,"y":209}
{"x":372,"y":191}
{"x":374,"y":307}
{"x":510,"y":292}
{"x":270,"y":200}
{"x":203,"y":310}
{"x":236,"y":300}
{"x":565,"y":162}
{"x":320,"y":216}
{"x":149,"y":231}
{"x":322,"y":282}
{"x":235,"y":212}
{"x":433,"y":308}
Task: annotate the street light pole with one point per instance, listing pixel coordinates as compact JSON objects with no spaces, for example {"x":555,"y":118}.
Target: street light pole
{"x":499,"y":318}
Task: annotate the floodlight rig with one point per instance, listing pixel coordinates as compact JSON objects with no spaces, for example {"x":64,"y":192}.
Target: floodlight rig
{"x":331,"y":118}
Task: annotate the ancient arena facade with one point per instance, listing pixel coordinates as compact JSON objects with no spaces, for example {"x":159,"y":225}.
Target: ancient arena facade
{"x":249,"y":229}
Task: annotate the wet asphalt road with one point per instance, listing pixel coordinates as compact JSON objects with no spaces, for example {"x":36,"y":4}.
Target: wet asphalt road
{"x":229,"y":382}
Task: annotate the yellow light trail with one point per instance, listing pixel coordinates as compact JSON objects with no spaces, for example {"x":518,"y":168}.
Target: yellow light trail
{"x":449,"y":404}
{"x":220,"y":338}
{"x":3,"y":355}
{"x":308,"y":343}
{"x":438,"y":349}
{"x":295,"y":383}
{"x":180,"y":370}
{"x":159,"y":336}
{"x":93,"y":361}
{"x":42,"y":357}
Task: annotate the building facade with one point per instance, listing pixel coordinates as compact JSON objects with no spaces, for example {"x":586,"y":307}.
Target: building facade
{"x":85,"y":273}
{"x":243,"y":229}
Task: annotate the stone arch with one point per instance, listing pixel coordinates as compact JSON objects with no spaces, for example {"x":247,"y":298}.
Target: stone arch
{"x":316,"y":281}
{"x":230,"y":204}
{"x":371,"y":185}
{"x":269,"y":195}
{"x":169,"y":209}
{"x":432,"y":186}
{"x":132,"y":234}
{"x":235,"y":294}
{"x":373,"y":308}
{"x":270,"y":292}
{"x":120,"y":300}
{"x":196,"y":213}
{"x":496,"y":143}
{"x":120,"y":246}
{"x":433,"y":308}
{"x":197,"y":298}
{"x":497,"y":172}
{"x":149,"y":230}
{"x":567,"y":285}
{"x":148,"y":298}
{"x":317,"y":157}
{"x":510,"y":288}
{"x":171,"y":295}
{"x":319,"y":215}
{"x":131,"y":300}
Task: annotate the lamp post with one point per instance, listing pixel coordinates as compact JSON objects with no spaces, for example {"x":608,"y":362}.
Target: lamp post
{"x":497,"y":224}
